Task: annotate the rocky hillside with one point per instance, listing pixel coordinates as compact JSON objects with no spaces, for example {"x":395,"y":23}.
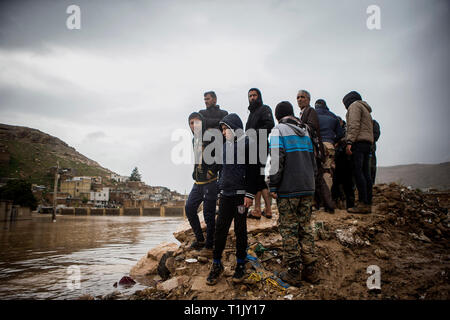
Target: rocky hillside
{"x":29,"y":154}
{"x":420,"y":176}
{"x":406,"y":236}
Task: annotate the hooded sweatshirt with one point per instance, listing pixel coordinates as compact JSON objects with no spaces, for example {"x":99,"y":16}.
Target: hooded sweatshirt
{"x":260,"y":118}
{"x":359,"y":123}
{"x":203,"y":173}
{"x":237,"y":175}
{"x":292,"y":161}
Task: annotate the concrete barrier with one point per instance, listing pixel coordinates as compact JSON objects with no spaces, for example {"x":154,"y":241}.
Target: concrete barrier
{"x":112,"y":211}
{"x":174,"y":211}
{"x":97,"y":211}
{"x":153,"y":212}
{"x":81,"y":211}
{"x":131,"y":211}
{"x":67,"y":211}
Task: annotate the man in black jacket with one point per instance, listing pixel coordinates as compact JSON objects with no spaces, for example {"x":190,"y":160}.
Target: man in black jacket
{"x":261,"y":120}
{"x":373,"y":157}
{"x":212,"y":114}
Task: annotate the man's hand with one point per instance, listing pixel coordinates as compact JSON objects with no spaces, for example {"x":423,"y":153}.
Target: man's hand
{"x":248,"y":202}
{"x":348,"y":150}
{"x":273,"y":195}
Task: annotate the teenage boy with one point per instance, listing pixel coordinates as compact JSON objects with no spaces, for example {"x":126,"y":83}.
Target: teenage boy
{"x":237,"y":185}
{"x":291,"y":182}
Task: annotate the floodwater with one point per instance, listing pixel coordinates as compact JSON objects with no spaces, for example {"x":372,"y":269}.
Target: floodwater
{"x":40,"y":259}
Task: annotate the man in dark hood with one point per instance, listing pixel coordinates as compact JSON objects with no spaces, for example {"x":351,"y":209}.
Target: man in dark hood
{"x":261,"y":120}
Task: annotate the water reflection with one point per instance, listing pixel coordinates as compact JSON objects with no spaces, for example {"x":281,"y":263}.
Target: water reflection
{"x":35,"y":254}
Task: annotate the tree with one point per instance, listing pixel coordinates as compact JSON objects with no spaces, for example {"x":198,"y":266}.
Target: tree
{"x":19,"y":191}
{"x":135,"y":175}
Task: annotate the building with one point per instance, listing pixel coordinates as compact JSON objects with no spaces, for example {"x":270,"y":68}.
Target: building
{"x":118,"y":178}
{"x":100,"y":197}
{"x":78,"y":187}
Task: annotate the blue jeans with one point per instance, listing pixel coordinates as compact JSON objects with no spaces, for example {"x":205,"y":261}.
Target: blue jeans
{"x":361,"y":152}
{"x":206,"y":193}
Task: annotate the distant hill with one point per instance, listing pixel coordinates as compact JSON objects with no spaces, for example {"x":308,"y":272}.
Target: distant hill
{"x":30,"y":154}
{"x":420,"y":176}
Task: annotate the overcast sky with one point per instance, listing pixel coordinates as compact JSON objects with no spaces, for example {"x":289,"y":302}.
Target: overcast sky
{"x":119,"y":87}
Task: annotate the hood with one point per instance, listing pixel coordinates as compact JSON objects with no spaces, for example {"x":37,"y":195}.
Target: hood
{"x":295,"y":124}
{"x":232,"y":121}
{"x":351,"y":97}
{"x":259,"y":102}
{"x":321,"y":104}
{"x":199,"y":116}
{"x":365,"y":104}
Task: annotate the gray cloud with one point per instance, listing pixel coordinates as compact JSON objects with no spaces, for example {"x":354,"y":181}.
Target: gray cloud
{"x":118,"y":88}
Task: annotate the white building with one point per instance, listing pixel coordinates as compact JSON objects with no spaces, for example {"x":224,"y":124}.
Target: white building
{"x":118,"y":178}
{"x":100,"y":197}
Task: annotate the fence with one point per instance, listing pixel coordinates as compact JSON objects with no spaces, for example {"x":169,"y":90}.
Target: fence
{"x":176,"y":211}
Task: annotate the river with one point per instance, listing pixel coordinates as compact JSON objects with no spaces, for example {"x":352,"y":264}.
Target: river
{"x":40,"y":259}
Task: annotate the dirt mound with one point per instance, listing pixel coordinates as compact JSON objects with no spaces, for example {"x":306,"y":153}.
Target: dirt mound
{"x":406,"y":236}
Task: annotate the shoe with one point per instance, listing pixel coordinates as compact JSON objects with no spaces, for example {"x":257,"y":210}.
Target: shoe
{"x":251,"y":216}
{"x":239,"y":273}
{"x":206,"y":252}
{"x":264,"y":214}
{"x":216,"y":270}
{"x":197,"y":245}
{"x":293,"y":277}
{"x":360,"y":208}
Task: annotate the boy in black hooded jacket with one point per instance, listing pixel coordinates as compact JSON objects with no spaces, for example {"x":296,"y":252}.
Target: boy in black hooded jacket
{"x":237,"y":185}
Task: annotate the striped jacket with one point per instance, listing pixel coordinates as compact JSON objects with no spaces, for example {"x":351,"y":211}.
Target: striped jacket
{"x":292,"y":161}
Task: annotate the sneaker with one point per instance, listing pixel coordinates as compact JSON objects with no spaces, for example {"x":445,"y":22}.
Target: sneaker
{"x":197,"y":245}
{"x":292,"y":277}
{"x":360,"y":208}
{"x":239,"y":273}
{"x":216,"y":270}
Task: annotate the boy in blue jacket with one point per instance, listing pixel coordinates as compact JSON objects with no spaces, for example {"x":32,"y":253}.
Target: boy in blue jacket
{"x":237,"y":185}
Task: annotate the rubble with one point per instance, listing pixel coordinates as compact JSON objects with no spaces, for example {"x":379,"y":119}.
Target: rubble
{"x":406,"y":235}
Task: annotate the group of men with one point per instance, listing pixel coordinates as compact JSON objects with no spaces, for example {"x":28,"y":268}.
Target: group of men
{"x":314,"y":158}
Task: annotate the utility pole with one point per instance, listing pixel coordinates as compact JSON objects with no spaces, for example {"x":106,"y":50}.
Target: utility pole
{"x":55,"y":191}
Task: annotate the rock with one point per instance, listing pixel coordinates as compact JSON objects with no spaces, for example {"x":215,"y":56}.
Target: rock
{"x":288,"y":297}
{"x":171,"y":283}
{"x":112,"y":296}
{"x":127,"y":281}
{"x":191,"y":260}
{"x":422,"y":237}
{"x":381,"y":254}
{"x":203,"y":259}
{"x":347,"y":237}
{"x":199,"y":284}
{"x":86,"y":297}
{"x":149,"y":263}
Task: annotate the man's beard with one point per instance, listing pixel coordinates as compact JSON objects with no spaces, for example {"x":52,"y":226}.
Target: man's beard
{"x":254,"y":103}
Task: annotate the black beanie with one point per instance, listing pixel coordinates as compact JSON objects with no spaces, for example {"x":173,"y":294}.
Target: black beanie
{"x":351,"y":97}
{"x":283,"y":109}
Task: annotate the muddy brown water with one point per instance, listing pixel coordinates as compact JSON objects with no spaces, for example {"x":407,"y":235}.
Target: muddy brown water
{"x":40,"y":259}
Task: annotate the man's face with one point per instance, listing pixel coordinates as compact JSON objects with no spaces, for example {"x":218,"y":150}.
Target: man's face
{"x":227,"y":133}
{"x":196,"y":125}
{"x":252,"y":97}
{"x":302,"y":100}
{"x":210,"y":101}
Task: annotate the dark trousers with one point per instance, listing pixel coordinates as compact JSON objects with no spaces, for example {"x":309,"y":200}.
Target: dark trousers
{"x":343,"y":183}
{"x":206,"y":193}
{"x":361,"y":170}
{"x":228,"y":210}
{"x":373,"y":166}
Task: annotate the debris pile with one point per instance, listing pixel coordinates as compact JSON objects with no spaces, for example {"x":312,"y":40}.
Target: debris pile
{"x":406,"y":236}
